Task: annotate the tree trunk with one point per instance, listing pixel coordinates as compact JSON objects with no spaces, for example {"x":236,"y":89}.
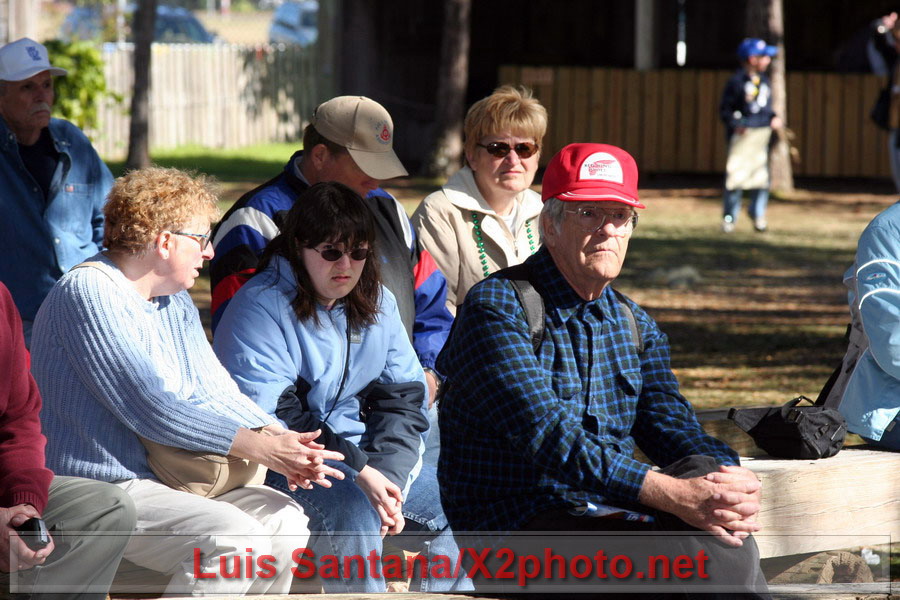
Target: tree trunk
{"x":453,"y":79}
{"x":139,"y":131}
{"x":765,"y":19}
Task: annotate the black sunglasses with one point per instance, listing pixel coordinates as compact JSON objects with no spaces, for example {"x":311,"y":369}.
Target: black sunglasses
{"x":501,"y":149}
{"x":334,"y":255}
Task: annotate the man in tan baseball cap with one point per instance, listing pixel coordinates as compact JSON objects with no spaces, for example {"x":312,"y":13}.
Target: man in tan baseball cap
{"x":365,"y":129}
{"x":349,"y":140}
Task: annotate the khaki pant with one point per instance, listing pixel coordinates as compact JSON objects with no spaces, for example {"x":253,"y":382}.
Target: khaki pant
{"x":91,"y":523}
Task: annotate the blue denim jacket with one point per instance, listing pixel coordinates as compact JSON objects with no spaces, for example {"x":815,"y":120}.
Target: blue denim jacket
{"x":872,"y":397}
{"x":45,"y":238}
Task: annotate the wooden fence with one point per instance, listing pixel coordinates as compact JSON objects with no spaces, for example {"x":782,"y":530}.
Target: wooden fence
{"x":668,"y":119}
{"x":215,"y":95}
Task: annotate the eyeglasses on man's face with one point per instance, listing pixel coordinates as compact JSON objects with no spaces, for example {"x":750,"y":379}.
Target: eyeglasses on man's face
{"x":200,"y":238}
{"x":591,"y":218}
{"x":502,"y":149}
{"x":332,"y":254}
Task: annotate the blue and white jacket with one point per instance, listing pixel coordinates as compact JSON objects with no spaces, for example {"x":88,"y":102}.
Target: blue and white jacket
{"x":746,"y":102}
{"x":407,"y":269}
{"x":46,"y":238}
{"x":872,"y":396}
{"x":294,"y":371}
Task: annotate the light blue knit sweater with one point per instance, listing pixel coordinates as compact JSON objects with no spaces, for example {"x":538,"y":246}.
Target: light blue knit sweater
{"x":110,"y":363}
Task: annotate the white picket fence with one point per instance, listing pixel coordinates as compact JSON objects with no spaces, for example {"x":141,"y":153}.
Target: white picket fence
{"x":214,"y":95}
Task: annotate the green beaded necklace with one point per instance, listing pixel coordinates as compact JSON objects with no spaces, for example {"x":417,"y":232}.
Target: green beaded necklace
{"x":479,"y":240}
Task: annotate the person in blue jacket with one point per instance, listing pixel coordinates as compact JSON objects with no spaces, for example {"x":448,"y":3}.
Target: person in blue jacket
{"x":316,"y":340}
{"x":349,"y":140}
{"x":746,"y":110}
{"x":869,"y":384}
{"x":54,"y":183}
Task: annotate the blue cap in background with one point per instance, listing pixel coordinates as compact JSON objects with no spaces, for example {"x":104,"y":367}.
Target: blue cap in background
{"x":755,"y":47}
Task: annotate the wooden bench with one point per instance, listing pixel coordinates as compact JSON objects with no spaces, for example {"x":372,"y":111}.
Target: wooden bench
{"x":846,"y":501}
{"x":813,"y":511}
{"x":849,"y":500}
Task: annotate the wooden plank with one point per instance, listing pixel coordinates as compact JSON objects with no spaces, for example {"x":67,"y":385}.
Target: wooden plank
{"x":543,"y":90}
{"x":874,"y":151}
{"x":707,"y":122}
{"x":686,"y":123}
{"x":615,"y":126}
{"x":631,"y":100}
{"x":815,"y":119}
{"x":650,"y":99}
{"x":562,"y":113}
{"x":668,"y":126}
{"x":852,"y":112}
{"x":832,"y":144}
{"x":581,"y":106}
{"x":846,"y":501}
{"x":796,"y":87}
{"x":599,"y":104}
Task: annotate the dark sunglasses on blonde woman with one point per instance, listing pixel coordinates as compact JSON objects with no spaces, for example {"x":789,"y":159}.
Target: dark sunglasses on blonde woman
{"x":501,"y":149}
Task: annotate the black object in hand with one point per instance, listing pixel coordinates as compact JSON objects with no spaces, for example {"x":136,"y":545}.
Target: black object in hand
{"x":34,"y":533}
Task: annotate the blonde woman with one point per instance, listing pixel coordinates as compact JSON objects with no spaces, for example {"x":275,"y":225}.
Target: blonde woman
{"x":485,"y":217}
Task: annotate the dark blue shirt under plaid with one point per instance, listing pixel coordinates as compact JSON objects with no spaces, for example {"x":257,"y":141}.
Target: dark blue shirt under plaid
{"x":522,"y":434}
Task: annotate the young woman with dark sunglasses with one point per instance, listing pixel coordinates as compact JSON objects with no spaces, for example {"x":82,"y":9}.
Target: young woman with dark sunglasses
{"x":314,"y":338}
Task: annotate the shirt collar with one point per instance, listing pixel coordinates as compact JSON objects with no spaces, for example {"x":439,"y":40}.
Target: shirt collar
{"x":556,"y":291}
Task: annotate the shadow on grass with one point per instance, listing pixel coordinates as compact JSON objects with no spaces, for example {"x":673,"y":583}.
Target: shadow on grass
{"x":722,"y":255}
{"x":778,"y":304}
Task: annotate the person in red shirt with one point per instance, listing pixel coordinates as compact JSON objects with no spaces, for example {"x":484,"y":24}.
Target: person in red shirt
{"x":81,"y":559}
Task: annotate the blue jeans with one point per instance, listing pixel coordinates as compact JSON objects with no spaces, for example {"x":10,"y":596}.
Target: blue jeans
{"x":345,"y":524}
{"x":731,"y":204}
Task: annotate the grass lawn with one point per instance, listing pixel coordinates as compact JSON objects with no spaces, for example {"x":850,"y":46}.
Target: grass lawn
{"x":753,"y":318}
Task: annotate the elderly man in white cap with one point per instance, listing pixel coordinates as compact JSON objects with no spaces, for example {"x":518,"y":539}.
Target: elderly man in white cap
{"x":54,"y":183}
{"x":349,"y":140}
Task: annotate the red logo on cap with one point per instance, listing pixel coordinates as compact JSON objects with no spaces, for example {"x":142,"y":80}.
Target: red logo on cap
{"x":386,"y":134}
{"x":599,"y":167}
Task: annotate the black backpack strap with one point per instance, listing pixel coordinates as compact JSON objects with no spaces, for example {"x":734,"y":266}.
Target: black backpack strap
{"x":532,"y":302}
{"x":533,"y":305}
{"x":636,"y":337}
{"x":825,"y":397}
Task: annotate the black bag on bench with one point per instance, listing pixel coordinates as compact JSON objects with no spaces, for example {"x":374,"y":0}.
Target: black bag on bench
{"x":816,"y":430}
{"x":794,"y":430}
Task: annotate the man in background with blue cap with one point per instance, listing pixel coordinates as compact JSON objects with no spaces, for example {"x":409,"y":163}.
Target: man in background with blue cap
{"x":54,"y":183}
{"x":746,"y":110}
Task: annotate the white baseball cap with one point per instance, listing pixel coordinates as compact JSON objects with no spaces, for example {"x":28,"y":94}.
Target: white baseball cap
{"x":25,"y":58}
{"x":365,"y":129}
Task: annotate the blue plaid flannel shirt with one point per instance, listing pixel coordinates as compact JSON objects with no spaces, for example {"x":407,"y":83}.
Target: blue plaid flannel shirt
{"x":522,"y":434}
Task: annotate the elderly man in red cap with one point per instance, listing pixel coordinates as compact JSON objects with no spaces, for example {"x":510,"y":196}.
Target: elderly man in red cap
{"x":553,"y":379}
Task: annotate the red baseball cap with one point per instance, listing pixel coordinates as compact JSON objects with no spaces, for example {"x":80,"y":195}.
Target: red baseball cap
{"x":584,"y":172}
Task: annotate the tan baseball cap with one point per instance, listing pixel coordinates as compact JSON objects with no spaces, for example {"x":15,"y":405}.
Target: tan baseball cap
{"x":365,"y":129}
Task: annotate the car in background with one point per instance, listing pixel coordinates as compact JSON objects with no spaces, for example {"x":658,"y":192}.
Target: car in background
{"x":173,"y":25}
{"x":295,"y":23}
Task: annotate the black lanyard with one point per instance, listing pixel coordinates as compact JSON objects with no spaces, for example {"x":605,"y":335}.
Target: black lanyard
{"x":337,"y":398}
